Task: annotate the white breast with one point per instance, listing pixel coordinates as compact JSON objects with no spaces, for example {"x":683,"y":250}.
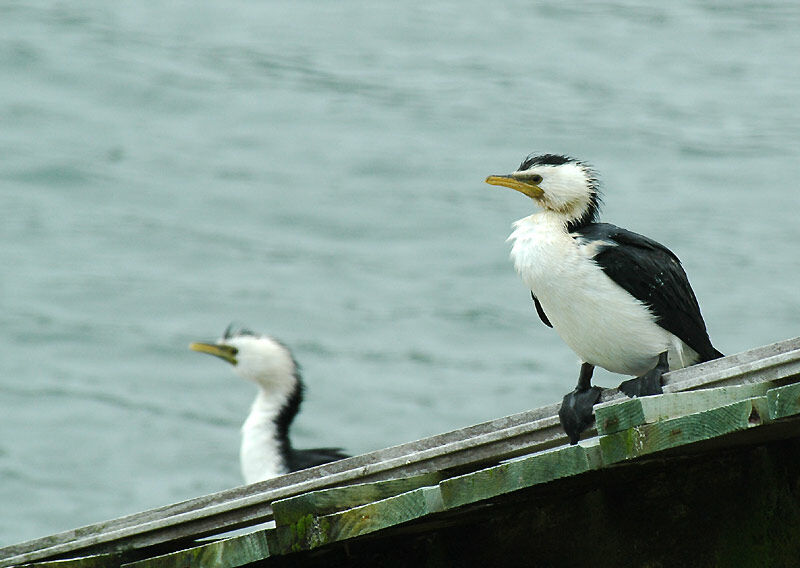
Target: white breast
{"x":599,"y":320}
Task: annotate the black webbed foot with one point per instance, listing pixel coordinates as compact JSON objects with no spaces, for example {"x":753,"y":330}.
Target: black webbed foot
{"x":576,"y":408}
{"x":576,"y":412}
{"x":649,"y":383}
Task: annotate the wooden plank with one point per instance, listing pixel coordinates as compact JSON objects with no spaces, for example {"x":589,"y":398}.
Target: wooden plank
{"x":518,"y":474}
{"x":650,"y":438}
{"x":649,"y":409}
{"x":469,"y":447}
{"x":311,"y":531}
{"x":226,"y":553}
{"x":774,"y":362}
{"x":242,"y":506}
{"x":721,"y":508}
{"x":771,"y":362}
{"x":327,"y":501}
{"x":93,"y":561}
{"x":784,"y":401}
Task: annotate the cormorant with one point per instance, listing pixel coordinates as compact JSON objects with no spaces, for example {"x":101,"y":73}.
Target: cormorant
{"x":266,"y":450}
{"x":620,"y":300}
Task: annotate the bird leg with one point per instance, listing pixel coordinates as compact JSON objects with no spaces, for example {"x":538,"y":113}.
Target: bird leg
{"x":576,"y":408}
{"x":649,"y":383}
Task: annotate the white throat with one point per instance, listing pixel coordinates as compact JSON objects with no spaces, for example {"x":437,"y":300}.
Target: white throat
{"x":260,"y":454}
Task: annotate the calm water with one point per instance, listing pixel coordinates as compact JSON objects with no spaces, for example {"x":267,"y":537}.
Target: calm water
{"x":315,"y":170}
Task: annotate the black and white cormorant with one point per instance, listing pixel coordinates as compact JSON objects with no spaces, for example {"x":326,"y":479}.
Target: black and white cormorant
{"x":266,"y":451}
{"x":620,"y":300}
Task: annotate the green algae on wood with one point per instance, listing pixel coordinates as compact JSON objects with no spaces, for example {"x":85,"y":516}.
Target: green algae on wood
{"x":517,"y":474}
{"x":636,"y":411}
{"x":784,"y":401}
{"x":311,"y":532}
{"x":226,"y":553}
{"x":93,"y":561}
{"x":649,"y":438}
{"x":327,"y":501}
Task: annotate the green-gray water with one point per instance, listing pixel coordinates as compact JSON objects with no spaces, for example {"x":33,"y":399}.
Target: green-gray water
{"x":315,"y":171}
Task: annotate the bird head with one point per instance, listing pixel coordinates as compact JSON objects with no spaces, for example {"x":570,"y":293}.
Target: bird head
{"x":258,"y":358}
{"x":556,"y":183}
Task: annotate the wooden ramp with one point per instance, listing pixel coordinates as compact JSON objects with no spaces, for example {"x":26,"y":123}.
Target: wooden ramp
{"x":512,"y":486}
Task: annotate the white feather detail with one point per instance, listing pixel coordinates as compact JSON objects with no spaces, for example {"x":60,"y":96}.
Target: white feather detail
{"x":595,"y":317}
{"x":260,"y":455}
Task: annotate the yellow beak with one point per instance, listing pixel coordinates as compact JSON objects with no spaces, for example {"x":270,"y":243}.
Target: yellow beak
{"x":531,"y":190}
{"x":225,"y":352}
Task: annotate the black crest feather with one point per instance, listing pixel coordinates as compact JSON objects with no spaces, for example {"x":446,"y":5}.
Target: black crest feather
{"x":231,"y":331}
{"x":544,"y":160}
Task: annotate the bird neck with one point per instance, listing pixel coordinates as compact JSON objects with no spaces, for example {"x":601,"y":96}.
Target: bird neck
{"x":544,"y":222}
{"x":569,"y":220}
{"x":586,"y":215}
{"x":575,"y":213}
{"x":266,"y":446}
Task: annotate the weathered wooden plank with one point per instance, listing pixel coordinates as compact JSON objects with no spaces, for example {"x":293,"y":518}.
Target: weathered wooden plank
{"x":784,"y":401}
{"x":711,"y":509}
{"x":767,"y":363}
{"x":648,"y":409}
{"x":127,"y":527}
{"x":774,"y":362}
{"x":327,"y":501}
{"x":474,"y":446}
{"x":93,"y":561}
{"x":231,"y":509}
{"x":226,"y":553}
{"x":311,"y":531}
{"x":650,"y":438}
{"x":490,"y":441}
{"x":518,"y":474}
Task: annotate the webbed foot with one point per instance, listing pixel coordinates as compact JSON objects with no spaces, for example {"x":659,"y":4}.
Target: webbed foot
{"x":649,"y":383}
{"x":576,"y":408}
{"x":576,"y":411}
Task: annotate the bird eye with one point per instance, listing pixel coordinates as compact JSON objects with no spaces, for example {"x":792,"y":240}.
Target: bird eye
{"x":529,"y":178}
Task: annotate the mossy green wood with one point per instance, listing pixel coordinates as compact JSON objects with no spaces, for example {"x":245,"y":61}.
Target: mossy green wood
{"x":518,"y":474}
{"x":94,"y":561}
{"x":645,"y":410}
{"x":649,"y":438}
{"x":327,"y":501}
{"x":226,"y":553}
{"x":311,"y":532}
{"x":784,"y":401}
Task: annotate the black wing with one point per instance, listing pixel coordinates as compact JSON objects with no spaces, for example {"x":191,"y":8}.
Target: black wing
{"x":302,"y":459}
{"x":540,"y":311}
{"x":652,"y":273}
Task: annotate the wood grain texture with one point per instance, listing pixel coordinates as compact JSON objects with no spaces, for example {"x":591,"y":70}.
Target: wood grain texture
{"x":649,"y":409}
{"x":650,"y":438}
{"x":516,"y":475}
{"x":732,"y":506}
{"x":226,"y":553}
{"x":770,"y":362}
{"x":784,"y":401}
{"x":94,"y":561}
{"x":328,"y":501}
{"x":311,"y":531}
